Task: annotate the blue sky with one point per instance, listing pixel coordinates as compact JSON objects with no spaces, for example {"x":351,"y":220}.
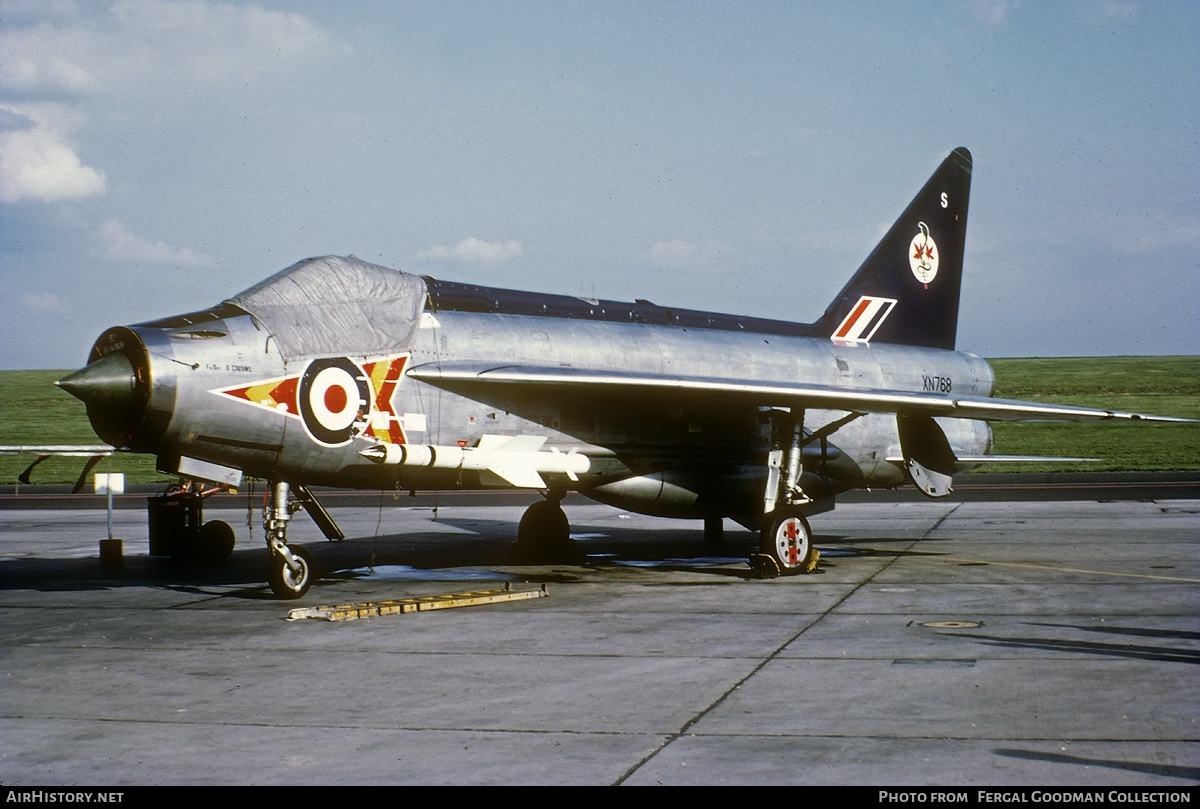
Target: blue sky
{"x":158,"y":157}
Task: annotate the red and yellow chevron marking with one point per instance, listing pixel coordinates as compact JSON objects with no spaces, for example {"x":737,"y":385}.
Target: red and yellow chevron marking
{"x":275,"y":393}
{"x":385,"y":377}
{"x":383,"y":424}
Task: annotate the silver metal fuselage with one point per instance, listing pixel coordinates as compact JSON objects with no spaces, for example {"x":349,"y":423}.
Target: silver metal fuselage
{"x":668,"y":456}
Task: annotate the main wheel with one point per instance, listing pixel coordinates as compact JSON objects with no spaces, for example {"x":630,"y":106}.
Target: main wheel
{"x":288,"y":583}
{"x":543,"y":524}
{"x":216,"y":540}
{"x":787,"y":539}
{"x":544,"y":534}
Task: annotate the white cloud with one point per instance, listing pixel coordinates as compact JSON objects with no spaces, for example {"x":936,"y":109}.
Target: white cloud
{"x":37,"y":160}
{"x":43,"y":303}
{"x":38,"y":72}
{"x":119,"y":244}
{"x":174,"y":45}
{"x":143,"y":49}
{"x":678,"y":253}
{"x":472,"y":251}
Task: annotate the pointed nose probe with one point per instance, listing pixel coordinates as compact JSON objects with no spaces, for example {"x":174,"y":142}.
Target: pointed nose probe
{"x":108,"y":383}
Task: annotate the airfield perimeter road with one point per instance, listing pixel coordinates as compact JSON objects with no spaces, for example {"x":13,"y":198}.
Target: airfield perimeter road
{"x":962,"y":642}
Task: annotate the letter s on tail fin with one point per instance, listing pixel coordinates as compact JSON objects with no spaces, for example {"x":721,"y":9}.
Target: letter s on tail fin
{"x":907,"y":290}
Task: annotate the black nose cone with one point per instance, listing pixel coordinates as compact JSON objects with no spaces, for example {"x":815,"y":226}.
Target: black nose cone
{"x":107,"y":384}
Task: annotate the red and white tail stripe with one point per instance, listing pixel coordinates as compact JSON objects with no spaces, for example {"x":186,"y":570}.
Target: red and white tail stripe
{"x":864,"y":320}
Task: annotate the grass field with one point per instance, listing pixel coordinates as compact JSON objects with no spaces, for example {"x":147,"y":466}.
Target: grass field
{"x":34,"y":411}
{"x":1168,"y":386}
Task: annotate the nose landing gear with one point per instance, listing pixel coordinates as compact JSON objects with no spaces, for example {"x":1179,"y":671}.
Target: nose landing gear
{"x":289,"y":570}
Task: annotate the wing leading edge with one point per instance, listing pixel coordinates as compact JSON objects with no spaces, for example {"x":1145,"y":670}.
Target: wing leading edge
{"x":468,"y":377}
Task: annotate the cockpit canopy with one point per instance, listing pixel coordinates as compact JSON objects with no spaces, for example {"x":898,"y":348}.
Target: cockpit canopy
{"x":336,"y":305}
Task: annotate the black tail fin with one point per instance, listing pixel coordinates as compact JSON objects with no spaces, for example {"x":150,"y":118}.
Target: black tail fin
{"x":907,"y":290}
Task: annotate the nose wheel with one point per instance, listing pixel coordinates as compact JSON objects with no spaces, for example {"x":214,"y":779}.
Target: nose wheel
{"x":290,"y":578}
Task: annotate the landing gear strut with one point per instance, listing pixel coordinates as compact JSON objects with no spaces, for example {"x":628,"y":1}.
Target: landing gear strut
{"x":785,"y":542}
{"x":289,"y":570}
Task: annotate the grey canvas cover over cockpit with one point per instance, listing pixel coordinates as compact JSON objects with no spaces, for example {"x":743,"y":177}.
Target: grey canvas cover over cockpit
{"x":335,"y":305}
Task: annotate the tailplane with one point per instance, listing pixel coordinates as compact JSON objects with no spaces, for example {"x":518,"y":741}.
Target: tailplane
{"x":907,"y":290}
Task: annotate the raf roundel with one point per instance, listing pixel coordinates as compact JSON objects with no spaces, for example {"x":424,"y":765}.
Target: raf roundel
{"x":334,"y":397}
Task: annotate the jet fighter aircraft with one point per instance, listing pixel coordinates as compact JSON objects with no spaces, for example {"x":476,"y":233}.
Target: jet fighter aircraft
{"x":339,"y":372}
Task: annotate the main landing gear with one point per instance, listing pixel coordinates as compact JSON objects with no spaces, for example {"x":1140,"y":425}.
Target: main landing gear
{"x":785,"y":542}
{"x":544,"y":534}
